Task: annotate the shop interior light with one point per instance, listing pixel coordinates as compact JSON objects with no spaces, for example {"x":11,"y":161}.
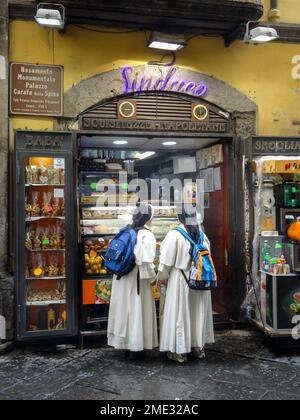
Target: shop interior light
{"x":169,"y":143}
{"x":51,"y":15}
{"x":260,"y":34}
{"x":145,"y":155}
{"x":159,"y":41}
{"x":120,"y":142}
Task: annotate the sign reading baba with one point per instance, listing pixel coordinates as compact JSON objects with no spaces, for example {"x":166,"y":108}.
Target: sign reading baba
{"x":135,"y":82}
{"x":36,"y":89}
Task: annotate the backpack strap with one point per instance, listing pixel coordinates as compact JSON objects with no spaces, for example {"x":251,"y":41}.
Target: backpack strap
{"x":186,"y":235}
{"x":201,"y":240}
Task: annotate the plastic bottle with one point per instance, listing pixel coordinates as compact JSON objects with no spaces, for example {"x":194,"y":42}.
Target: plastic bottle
{"x":265,"y":250}
{"x":267,"y":262}
{"x":278,"y":250}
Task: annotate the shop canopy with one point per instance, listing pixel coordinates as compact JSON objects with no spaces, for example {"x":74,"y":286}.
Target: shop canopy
{"x":207,"y":17}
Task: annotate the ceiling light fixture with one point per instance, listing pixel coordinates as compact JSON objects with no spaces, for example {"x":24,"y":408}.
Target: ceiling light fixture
{"x":170,"y":143}
{"x":51,"y":15}
{"x":159,"y":41}
{"x":145,"y":155}
{"x":120,"y":142}
{"x":260,"y":34}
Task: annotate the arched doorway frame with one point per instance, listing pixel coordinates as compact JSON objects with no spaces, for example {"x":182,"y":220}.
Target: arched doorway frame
{"x":102,"y":87}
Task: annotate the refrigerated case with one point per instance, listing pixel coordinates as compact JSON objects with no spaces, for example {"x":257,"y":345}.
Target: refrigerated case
{"x":275,"y":287}
{"x":45,"y":234}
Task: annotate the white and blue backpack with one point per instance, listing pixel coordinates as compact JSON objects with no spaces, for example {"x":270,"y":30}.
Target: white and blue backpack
{"x":203,"y":274}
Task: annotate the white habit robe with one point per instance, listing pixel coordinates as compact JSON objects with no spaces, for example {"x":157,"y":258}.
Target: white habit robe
{"x":187,"y":319}
{"x":132,"y":323}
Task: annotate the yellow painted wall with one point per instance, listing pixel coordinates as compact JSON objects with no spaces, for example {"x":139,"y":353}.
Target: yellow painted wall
{"x":290,"y":10}
{"x":261,"y":72}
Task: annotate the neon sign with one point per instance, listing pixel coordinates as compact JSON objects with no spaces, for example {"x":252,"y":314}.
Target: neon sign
{"x":141,"y":83}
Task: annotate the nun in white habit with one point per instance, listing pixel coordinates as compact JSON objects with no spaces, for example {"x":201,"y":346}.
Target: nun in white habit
{"x":187,"y":319}
{"x":132,"y":323}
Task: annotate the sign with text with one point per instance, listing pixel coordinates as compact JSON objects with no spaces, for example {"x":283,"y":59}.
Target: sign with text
{"x":36,"y":89}
{"x":94,"y":123}
{"x":274,"y":146}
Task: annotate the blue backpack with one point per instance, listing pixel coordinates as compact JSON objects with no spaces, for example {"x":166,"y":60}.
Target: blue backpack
{"x":203,"y":273}
{"x":120,"y":258}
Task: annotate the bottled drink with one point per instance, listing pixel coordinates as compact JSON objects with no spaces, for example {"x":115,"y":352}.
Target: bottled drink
{"x":51,"y":319}
{"x":278,"y":250}
{"x":266,"y":250}
{"x":267,"y":261}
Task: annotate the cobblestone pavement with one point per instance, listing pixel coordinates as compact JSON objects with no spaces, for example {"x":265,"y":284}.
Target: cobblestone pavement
{"x":240,"y":366}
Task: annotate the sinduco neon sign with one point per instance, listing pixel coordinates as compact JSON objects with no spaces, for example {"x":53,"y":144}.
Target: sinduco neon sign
{"x":134,"y":82}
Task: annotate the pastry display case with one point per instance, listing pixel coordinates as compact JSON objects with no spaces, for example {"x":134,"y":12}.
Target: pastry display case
{"x":108,"y":196}
{"x":45,"y":228}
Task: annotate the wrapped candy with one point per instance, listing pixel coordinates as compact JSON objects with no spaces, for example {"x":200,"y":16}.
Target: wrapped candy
{"x":62,"y":208}
{"x":43,"y":175}
{"x":35,"y":175}
{"x":28,"y":240}
{"x":62,"y":177}
{"x":61,"y":233}
{"x":53,"y":269}
{"x":56,"y":208}
{"x":47,"y":208}
{"x":29,"y":175}
{"x":56,"y":176}
{"x":37,"y":266}
{"x":45,"y":239}
{"x":28,"y":207}
{"x":54,"y":239}
{"x":36,"y":209}
{"x":37,"y":244}
{"x":63,"y":269}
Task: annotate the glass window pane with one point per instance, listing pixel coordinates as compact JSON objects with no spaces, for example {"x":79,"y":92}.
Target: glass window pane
{"x":45,"y":243}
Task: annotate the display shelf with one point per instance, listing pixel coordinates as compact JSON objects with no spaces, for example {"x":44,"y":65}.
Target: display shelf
{"x":103,"y":173}
{"x":47,"y":303}
{"x":45,"y":250}
{"x":36,"y":219}
{"x":279,"y":275}
{"x":119,"y":217}
{"x":45,"y":185}
{"x":97,"y":235}
{"x":92,"y":222}
{"x":46,"y":278}
{"x":97,"y":278}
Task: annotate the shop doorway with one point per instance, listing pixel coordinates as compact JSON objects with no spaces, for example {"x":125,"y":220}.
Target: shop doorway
{"x":149,"y":159}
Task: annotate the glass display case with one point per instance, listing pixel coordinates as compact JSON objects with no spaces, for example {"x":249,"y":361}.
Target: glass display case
{"x":276,"y":267}
{"x":45,"y":237}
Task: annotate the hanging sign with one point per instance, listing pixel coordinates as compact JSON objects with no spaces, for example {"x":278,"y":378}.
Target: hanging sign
{"x":36,"y":89}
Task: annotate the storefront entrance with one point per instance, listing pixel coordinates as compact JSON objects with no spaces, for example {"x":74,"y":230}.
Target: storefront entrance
{"x":107,"y":200}
{"x":148,"y":136}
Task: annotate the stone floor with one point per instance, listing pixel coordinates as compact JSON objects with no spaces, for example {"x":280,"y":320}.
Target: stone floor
{"x":242,"y":365}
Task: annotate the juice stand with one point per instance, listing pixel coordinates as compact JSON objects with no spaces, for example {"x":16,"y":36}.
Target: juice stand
{"x":273,"y":300}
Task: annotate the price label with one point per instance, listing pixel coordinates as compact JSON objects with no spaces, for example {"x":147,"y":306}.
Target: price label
{"x":59,"y":163}
{"x":59,"y":193}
